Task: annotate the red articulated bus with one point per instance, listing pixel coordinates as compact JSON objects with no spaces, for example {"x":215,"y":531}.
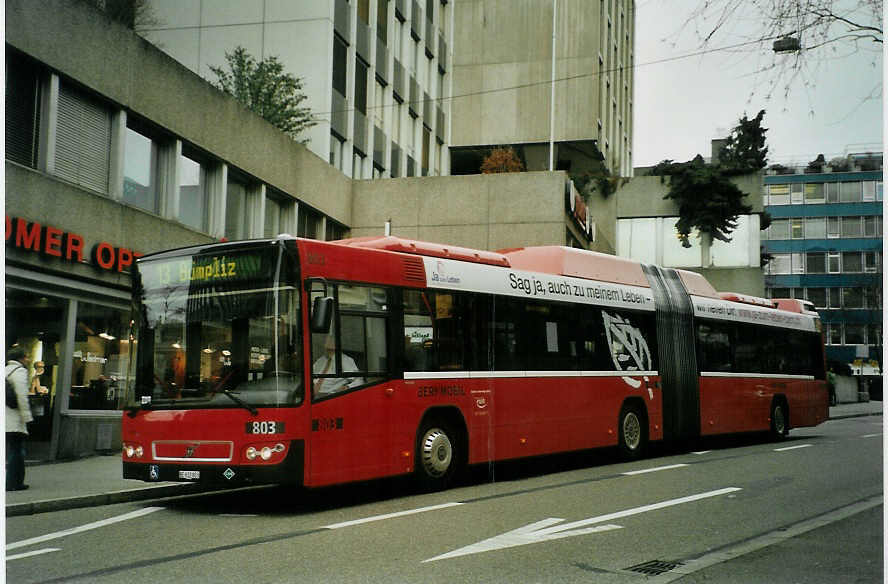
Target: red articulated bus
{"x":299,"y":361}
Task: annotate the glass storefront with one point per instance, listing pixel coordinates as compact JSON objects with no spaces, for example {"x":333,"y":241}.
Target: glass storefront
{"x":79,"y":354}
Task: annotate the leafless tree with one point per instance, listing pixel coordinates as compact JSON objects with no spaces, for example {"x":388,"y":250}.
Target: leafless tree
{"x":785,"y":41}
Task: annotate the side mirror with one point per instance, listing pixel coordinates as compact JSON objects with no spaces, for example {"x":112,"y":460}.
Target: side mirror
{"x":321,"y":314}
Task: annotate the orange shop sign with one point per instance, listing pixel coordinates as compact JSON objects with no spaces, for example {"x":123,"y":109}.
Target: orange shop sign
{"x":52,"y":242}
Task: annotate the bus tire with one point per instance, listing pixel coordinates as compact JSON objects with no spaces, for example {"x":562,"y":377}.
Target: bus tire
{"x":632,"y":430}
{"x":438,"y":455}
{"x":779,"y":419}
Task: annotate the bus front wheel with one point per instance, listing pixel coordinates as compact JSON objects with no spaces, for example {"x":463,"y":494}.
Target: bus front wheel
{"x":632,"y":432}
{"x":437,"y":455}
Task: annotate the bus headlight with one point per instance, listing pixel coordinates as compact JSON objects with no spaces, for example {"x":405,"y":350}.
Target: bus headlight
{"x":264,"y":452}
{"x":132,"y":450}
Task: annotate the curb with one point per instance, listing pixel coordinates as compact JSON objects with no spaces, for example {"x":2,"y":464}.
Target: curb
{"x":114,"y":497}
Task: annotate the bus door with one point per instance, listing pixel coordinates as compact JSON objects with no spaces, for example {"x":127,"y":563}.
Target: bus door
{"x":353,"y":401}
{"x":678,"y":362}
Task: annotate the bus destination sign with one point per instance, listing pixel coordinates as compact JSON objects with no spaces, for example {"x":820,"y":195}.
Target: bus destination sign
{"x":201,"y":270}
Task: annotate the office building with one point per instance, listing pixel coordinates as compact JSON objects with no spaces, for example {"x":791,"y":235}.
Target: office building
{"x":825,"y":246}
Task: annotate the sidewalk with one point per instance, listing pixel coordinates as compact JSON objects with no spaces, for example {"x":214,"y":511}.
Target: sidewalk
{"x":97,"y":480}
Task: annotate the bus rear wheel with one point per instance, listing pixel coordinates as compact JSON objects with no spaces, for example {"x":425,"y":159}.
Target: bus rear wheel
{"x":632,"y":432}
{"x":438,"y":455}
{"x":779,"y":420}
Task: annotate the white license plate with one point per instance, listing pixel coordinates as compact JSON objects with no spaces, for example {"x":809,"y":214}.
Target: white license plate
{"x":189,"y":474}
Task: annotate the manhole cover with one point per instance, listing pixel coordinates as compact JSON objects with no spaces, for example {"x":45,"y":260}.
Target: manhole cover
{"x":655,"y":567}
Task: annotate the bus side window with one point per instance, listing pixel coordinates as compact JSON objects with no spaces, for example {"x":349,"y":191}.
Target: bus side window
{"x":714,"y":347}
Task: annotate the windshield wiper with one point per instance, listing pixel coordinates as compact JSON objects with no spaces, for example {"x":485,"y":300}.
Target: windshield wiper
{"x":240,"y":402}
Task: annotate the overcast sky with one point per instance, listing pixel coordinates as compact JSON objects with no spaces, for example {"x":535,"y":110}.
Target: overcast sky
{"x":681,"y":105}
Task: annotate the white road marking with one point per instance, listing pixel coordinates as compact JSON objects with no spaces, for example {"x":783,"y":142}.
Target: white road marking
{"x":34,"y":553}
{"x":549,"y":529}
{"x":238,"y":515}
{"x":793,"y":447}
{"x":82,"y":528}
{"x":390,"y":515}
{"x":655,"y":469}
{"x":871,"y":435}
{"x":701,"y":452}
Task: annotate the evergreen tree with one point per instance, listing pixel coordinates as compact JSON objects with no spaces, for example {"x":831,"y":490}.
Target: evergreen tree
{"x":265,"y":89}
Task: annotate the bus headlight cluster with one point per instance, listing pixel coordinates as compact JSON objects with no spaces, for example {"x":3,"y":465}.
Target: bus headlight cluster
{"x":133,"y":450}
{"x":264,"y":453}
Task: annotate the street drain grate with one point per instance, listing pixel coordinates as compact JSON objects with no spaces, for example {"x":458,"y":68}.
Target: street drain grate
{"x":655,"y":567}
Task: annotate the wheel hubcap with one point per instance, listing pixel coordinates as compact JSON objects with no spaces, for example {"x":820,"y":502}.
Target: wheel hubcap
{"x":631,"y":431}
{"x":437,"y":452}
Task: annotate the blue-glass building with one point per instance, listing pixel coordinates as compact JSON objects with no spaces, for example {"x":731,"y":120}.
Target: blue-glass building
{"x":825,"y":246}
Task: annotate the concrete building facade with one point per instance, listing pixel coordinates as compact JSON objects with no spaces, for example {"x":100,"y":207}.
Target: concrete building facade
{"x":376,"y":73}
{"x":502,"y":90}
{"x":825,"y":246}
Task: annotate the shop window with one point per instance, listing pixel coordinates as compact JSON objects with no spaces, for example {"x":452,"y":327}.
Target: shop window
{"x":83,"y":140}
{"x":35,"y":321}
{"x":139,"y":171}
{"x":236,"y":226}
{"x":100,"y":358}
{"x":193,"y":193}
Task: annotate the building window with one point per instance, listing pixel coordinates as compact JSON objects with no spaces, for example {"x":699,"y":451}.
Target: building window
{"x":833,"y":228}
{"x":834,"y":263}
{"x":273,"y":210}
{"x":852,"y":262}
{"x":335,"y":231}
{"x":797,"y":228}
{"x":192,"y":193}
{"x":100,"y":358}
{"x":781,"y":263}
{"x":874,"y":334}
{"x":814,"y":193}
{"x":869,"y":190}
{"x":22,"y":110}
{"x":308,"y":223}
{"x":797,"y":195}
{"x":778,"y":195}
{"x":855,"y":334}
{"x":818,"y":297}
{"x":851,"y":227}
{"x":798,"y":265}
{"x":879,"y":189}
{"x":871,"y":262}
{"x":779,"y":229}
{"x":236,"y":210}
{"x":83,"y":140}
{"x":781,"y":293}
{"x":815,"y":263}
{"x":849,"y":192}
{"x":832,"y":192}
{"x":834,"y":300}
{"x":815,"y":227}
{"x":833,"y":334}
{"x":140,"y":171}
{"x":872,"y":226}
{"x":340,"y":64}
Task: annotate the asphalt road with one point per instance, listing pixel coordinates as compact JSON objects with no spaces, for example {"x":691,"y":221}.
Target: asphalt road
{"x":808,"y":509}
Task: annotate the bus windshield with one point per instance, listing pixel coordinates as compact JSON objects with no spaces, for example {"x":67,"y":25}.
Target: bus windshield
{"x":218,"y":329}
